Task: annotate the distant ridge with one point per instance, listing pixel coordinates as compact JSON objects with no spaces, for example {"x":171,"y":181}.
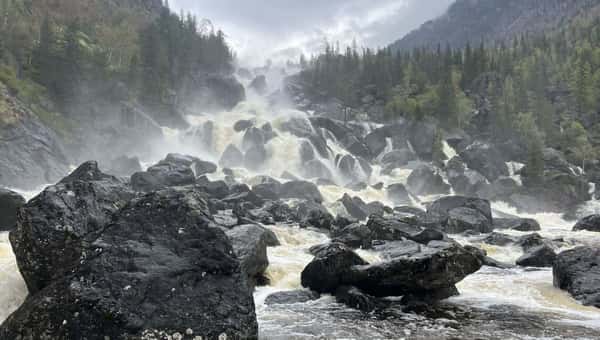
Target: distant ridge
{"x":493,"y":21}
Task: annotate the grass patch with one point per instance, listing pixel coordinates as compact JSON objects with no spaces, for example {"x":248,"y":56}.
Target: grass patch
{"x":34,"y":96}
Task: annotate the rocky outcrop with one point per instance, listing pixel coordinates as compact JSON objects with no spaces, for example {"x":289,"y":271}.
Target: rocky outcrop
{"x":540,"y":256}
{"x":101,"y":261}
{"x":426,"y":180}
{"x":485,"y":159}
{"x":10,"y":202}
{"x":174,"y":170}
{"x":213,"y":92}
{"x":519,"y":224}
{"x":31,"y":154}
{"x":590,"y":223}
{"x":458,"y":214}
{"x":301,"y":190}
{"x":577,"y":272}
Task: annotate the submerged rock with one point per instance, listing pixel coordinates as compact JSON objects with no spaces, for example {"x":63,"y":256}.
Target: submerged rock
{"x":519,"y":224}
{"x":577,"y":271}
{"x":10,"y":202}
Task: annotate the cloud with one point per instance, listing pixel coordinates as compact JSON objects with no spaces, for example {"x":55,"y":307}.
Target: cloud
{"x":282,"y":29}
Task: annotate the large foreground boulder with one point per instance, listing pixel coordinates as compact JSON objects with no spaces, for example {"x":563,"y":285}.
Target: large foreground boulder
{"x":577,"y":271}
{"x":52,"y":227}
{"x":10,"y":202}
{"x":140,"y":275}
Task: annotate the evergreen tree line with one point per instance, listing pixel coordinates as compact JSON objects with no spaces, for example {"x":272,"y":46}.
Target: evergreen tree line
{"x":76,"y":57}
{"x":543,"y":90}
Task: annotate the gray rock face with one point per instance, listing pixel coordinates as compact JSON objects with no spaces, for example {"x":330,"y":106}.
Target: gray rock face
{"x":486,"y":160}
{"x":174,"y":170}
{"x":242,"y":125}
{"x":540,"y":256}
{"x":520,"y":224}
{"x":577,"y":271}
{"x":232,"y":157}
{"x":255,"y":158}
{"x":464,"y":181}
{"x":590,"y":223}
{"x":397,"y":159}
{"x":10,"y":202}
{"x":430,"y":270}
{"x":398,"y":194}
{"x":324,"y":273}
{"x":445,"y":204}
{"x":250,"y":244}
{"x":301,"y":190}
{"x":48,"y":240}
{"x":291,"y":297}
{"x":100,"y":262}
{"x":466,"y":219}
{"x":316,"y":169}
{"x":426,"y":180}
{"x":31,"y":154}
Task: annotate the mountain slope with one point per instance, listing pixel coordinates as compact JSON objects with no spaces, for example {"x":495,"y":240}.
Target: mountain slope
{"x":493,"y":21}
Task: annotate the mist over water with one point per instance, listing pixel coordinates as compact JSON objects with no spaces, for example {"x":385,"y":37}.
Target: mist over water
{"x":530,"y":290}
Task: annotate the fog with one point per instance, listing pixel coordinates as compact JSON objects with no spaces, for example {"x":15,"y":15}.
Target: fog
{"x":283,"y":29}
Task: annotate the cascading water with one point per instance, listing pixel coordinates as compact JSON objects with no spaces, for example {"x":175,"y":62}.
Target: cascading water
{"x":210,"y":135}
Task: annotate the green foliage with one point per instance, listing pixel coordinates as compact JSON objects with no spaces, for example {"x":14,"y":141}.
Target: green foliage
{"x":527,"y":128}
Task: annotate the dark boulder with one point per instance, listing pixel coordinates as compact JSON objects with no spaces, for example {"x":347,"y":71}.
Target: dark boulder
{"x":398,"y":194}
{"x":299,"y":127}
{"x":232,"y":157}
{"x":390,"y":229}
{"x":203,"y":167}
{"x":301,"y":190}
{"x":243,"y":125}
{"x":10,"y":202}
{"x":311,"y":214}
{"x":174,"y":170}
{"x":464,"y":181}
{"x":216,"y":189}
{"x":255,"y":157}
{"x":307,"y":152}
{"x":355,"y":207}
{"x":316,"y":169}
{"x":520,"y":224}
{"x":577,"y":271}
{"x":463,"y":219}
{"x":486,"y":160}
{"x":250,"y":244}
{"x":499,"y":239}
{"x":324,"y":273}
{"x":590,"y":223}
{"x":445,"y":204}
{"x":291,"y":297}
{"x":426,"y":180}
{"x":397,"y":159}
{"x":355,"y":298}
{"x":254,"y":137}
{"x":422,"y":136}
{"x":53,"y":226}
{"x":139,"y":272}
{"x":268,"y":190}
{"x":540,"y":256}
{"x":355,"y":235}
{"x":430,"y":269}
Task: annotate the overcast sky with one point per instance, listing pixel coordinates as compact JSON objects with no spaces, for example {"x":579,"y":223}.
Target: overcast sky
{"x":282,"y":29}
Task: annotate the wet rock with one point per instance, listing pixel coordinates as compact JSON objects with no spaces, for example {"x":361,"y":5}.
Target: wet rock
{"x":307,"y":153}
{"x":467,"y":219}
{"x":299,"y":127}
{"x":486,"y":160}
{"x":316,"y":169}
{"x":268,"y":132}
{"x":390,"y":228}
{"x":445,"y":204}
{"x":52,"y":227}
{"x":464,"y":181}
{"x":520,"y":224}
{"x":125,"y":166}
{"x":357,"y":186}
{"x":428,"y":235}
{"x":242,"y":125}
{"x":301,"y":190}
{"x":241,"y":193}
{"x":232,"y":157}
{"x":355,"y":298}
{"x":203,"y":167}
{"x":426,"y":180}
{"x":268,"y":190}
{"x":421,"y":136}
{"x":355,"y":235}
{"x":255,"y":158}
{"x":355,"y":207}
{"x":154,"y":256}
{"x":174,"y":170}
{"x":397,"y":159}
{"x":216,"y":189}
{"x":577,"y":271}
{"x":312,"y":214}
{"x":499,"y":239}
{"x":250,"y":244}
{"x":259,"y":84}
{"x":291,"y":297}
{"x":433,"y":268}
{"x":540,"y":256}
{"x":273,"y":212}
{"x":590,"y":223}
{"x":253,"y":138}
{"x":398,"y":194}
{"x":10,"y":202}
{"x":324,"y":273}
{"x":528,"y":242}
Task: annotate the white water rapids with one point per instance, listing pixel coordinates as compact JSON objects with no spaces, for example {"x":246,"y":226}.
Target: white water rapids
{"x":531,"y":290}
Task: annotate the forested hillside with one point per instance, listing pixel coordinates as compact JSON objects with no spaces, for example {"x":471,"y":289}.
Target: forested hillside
{"x":493,"y":21}
{"x":71,"y":51}
{"x":538,"y":90}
